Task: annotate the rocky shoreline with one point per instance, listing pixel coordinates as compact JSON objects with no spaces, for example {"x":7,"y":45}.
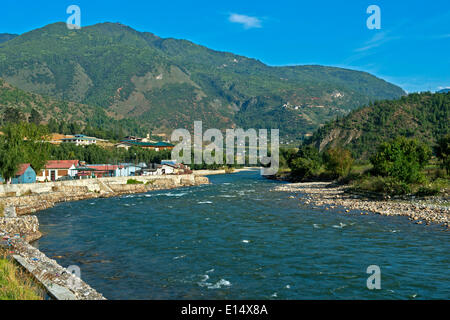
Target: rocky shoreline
{"x":330,"y":196}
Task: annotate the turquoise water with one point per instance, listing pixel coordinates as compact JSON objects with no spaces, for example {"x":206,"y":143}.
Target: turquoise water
{"x":239,"y":239}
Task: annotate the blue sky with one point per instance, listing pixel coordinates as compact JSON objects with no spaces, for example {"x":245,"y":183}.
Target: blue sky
{"x":412,"y":48}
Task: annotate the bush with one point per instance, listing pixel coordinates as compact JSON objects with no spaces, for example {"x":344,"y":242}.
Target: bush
{"x":133,"y":181}
{"x":443,"y":152}
{"x":305,"y":164}
{"x":338,"y":161}
{"x":402,"y":159}
{"x":431,"y":190}
{"x":385,"y":185}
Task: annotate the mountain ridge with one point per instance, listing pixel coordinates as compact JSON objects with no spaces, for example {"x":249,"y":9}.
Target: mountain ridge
{"x":166,"y":83}
{"x":424,"y":116}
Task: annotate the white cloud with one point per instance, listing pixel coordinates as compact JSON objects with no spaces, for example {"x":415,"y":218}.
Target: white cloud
{"x":247,"y":21}
{"x":376,"y":41}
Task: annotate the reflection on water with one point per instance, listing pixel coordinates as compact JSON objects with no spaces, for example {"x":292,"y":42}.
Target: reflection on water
{"x":238,"y":239}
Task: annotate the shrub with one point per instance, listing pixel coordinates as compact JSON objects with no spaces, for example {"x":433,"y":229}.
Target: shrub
{"x":338,"y":161}
{"x":133,"y":181}
{"x":443,"y":152}
{"x":385,"y":185}
{"x":305,"y":164}
{"x":402,"y":159}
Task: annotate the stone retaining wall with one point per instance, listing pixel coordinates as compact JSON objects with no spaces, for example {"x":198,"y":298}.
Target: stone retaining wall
{"x":17,"y":231}
{"x":30,"y":198}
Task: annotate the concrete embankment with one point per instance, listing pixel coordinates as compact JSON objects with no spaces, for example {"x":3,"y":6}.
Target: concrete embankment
{"x":30,"y":198}
{"x":18,"y":228}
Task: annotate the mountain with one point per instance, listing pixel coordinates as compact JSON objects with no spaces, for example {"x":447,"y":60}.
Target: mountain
{"x":6,"y":37}
{"x":168,"y":83}
{"x":444,"y":90}
{"x":61,"y":111}
{"x":424,"y":116}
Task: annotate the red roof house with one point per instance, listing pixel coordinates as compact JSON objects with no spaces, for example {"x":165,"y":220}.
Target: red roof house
{"x":56,"y":169}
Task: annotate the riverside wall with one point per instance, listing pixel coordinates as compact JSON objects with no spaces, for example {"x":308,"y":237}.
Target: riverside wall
{"x":18,"y":227}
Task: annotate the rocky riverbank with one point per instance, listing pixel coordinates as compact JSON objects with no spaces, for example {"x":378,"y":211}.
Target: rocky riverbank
{"x":324,"y":194}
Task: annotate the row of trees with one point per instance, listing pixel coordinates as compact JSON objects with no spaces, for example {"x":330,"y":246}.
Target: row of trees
{"x":401,"y":159}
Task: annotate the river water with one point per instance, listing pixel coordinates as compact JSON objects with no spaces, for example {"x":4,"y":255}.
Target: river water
{"x":238,"y":239}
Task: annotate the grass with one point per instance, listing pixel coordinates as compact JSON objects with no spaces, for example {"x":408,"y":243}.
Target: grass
{"x":229,"y":169}
{"x":133,"y":181}
{"x":16,"y":284}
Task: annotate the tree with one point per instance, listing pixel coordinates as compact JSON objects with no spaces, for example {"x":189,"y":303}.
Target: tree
{"x":338,"y":161}
{"x":402,"y":159}
{"x":10,"y":151}
{"x":12,"y":115}
{"x":22,"y":143}
{"x":35,"y":117}
{"x":36,"y":146}
{"x":306,"y":163}
{"x":443,"y":152}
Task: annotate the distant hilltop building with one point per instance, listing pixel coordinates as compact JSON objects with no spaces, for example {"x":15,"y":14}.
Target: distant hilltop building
{"x":157,"y":146}
{"x":80,"y":140}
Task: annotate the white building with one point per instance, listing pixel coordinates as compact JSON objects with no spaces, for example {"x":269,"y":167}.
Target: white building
{"x":80,"y":140}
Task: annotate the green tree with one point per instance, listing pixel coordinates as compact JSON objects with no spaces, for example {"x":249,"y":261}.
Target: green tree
{"x":402,"y":159}
{"x":10,"y":151}
{"x":22,"y":143}
{"x":12,"y":115}
{"x":443,"y":152}
{"x":306,"y":163}
{"x":338,"y":161}
{"x":35,"y":147}
{"x":35,"y":117}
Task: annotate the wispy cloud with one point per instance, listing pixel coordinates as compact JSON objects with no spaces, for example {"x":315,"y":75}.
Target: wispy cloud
{"x":377,"y":40}
{"x":247,"y":21}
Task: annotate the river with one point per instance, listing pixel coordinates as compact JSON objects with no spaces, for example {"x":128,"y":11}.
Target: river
{"x":238,"y":239}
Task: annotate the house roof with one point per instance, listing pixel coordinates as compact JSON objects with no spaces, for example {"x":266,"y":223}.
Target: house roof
{"x":80,"y":138}
{"x":61,"y":164}
{"x":147,"y":144}
{"x":22,"y":168}
{"x":104,"y":167}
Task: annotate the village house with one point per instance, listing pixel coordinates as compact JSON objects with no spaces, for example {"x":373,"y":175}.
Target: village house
{"x":131,"y":169}
{"x":99,"y":170}
{"x":57,"y":169}
{"x":80,"y":140}
{"x":25,"y":174}
{"x":157,"y":146}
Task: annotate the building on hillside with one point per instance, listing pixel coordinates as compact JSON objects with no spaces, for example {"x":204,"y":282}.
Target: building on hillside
{"x":57,"y":169}
{"x":132,"y":138}
{"x":80,"y":140}
{"x":56,"y":138}
{"x":25,"y":174}
{"x":157,"y":146}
